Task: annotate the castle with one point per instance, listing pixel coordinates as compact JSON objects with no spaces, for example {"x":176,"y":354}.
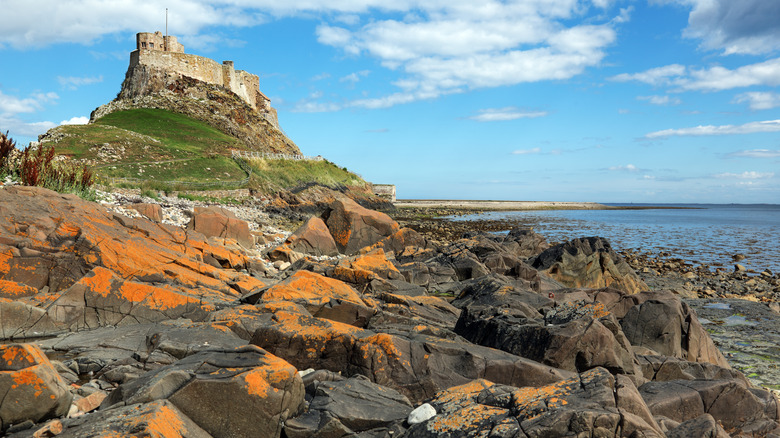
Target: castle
{"x":165,"y":53}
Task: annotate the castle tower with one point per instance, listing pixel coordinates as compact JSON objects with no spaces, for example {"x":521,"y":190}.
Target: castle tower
{"x":156,"y":41}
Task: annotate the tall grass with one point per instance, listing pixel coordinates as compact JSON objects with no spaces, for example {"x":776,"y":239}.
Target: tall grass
{"x":37,"y":167}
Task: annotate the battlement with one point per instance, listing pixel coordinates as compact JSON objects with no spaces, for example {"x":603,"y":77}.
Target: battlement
{"x":156,"y":41}
{"x":164,"y":53}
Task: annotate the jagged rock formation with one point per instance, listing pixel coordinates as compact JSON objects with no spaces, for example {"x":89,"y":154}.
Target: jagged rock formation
{"x":217,"y":94}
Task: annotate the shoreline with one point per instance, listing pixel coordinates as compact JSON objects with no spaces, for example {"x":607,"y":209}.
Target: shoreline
{"x":492,"y":205}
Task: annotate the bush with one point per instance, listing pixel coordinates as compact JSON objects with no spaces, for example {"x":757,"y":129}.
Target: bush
{"x":7,"y":145}
{"x":37,"y":167}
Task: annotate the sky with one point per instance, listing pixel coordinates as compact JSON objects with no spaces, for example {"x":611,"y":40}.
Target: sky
{"x":657,"y":101}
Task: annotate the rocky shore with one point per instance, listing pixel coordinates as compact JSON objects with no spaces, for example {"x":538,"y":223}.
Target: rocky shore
{"x":164,"y":317}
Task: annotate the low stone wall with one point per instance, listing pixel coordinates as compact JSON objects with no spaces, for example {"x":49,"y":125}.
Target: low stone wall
{"x":385,"y":191}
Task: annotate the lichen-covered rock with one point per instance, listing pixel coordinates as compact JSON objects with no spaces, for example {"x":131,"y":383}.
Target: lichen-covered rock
{"x":101,"y":298}
{"x":323,"y":297}
{"x":30,"y":386}
{"x":416,"y":365}
{"x":158,"y":419}
{"x":585,"y":405}
{"x":354,"y":227}
{"x":230,"y":393}
{"x":588,"y":262}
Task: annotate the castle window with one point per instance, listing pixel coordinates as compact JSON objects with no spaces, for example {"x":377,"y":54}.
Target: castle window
{"x":143,"y":45}
{"x":151,"y":45}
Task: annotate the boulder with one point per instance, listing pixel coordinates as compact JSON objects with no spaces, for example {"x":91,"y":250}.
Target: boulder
{"x":101,"y":299}
{"x":735,"y":405}
{"x":241,"y":392}
{"x":588,"y":262}
{"x":354,"y":227}
{"x":313,"y":237}
{"x":156,"y":419}
{"x":670,"y":328}
{"x":575,"y":337}
{"x":416,"y":365}
{"x":220,"y":222}
{"x":31,"y":388}
{"x":584,"y":405}
{"x":356,"y":404}
{"x":665,"y":368}
{"x":151,"y":211}
{"x":323,"y":297}
{"x":19,"y":320}
{"x":701,"y":426}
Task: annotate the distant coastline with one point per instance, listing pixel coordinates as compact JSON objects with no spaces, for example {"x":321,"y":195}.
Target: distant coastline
{"x":492,"y":205}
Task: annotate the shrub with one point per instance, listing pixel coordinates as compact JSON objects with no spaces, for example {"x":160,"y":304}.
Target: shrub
{"x":7,"y":145}
{"x":38,"y":168}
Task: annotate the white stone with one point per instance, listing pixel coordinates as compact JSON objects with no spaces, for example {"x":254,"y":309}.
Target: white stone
{"x":422,"y":413}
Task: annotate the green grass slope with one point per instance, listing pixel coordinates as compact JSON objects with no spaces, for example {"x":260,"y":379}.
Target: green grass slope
{"x":161,"y":148}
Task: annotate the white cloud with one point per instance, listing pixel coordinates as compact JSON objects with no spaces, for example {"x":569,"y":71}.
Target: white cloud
{"x":14,"y":105}
{"x":355,"y":77}
{"x":79,"y":120}
{"x":655,"y":76}
{"x":527,"y":151}
{"x":757,"y":153}
{"x":21,"y":128}
{"x":715,"y":78}
{"x":745,"y":175}
{"x":747,"y":128}
{"x":74,"y":82}
{"x":759,"y":100}
{"x":503,"y":114}
{"x":626,"y":168}
{"x":661,"y":100}
{"x":742,"y":26}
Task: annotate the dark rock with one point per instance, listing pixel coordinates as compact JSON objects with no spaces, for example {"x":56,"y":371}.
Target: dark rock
{"x":588,"y":262}
{"x":416,"y":365}
{"x":732,"y":403}
{"x":703,"y":426}
{"x":578,"y":343}
{"x":670,"y":328}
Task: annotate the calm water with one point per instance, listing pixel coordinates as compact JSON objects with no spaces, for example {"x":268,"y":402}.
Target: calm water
{"x":705,"y":233}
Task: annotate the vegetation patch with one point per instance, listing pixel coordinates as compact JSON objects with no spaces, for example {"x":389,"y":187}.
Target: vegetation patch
{"x":271,"y":175}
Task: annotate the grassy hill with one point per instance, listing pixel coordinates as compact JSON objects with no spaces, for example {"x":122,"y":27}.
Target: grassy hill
{"x":162,"y":149}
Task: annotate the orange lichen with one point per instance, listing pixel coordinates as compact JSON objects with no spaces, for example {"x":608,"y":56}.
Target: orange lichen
{"x":12,"y":289}
{"x":311,"y":286}
{"x":5,"y":259}
{"x":531,"y":402}
{"x":29,"y":378}
{"x":262,"y":380}
{"x":466,"y":418}
{"x":162,"y":423}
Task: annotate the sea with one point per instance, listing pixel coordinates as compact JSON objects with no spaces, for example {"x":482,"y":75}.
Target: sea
{"x":708,"y":234}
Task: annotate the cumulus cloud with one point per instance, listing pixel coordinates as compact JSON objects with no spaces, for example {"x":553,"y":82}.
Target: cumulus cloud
{"x":714,"y":78}
{"x":757,"y":153}
{"x":355,"y":77}
{"x":759,"y":100}
{"x":747,"y":128}
{"x":735,"y":27}
{"x":14,"y":105}
{"x":78,"y":120}
{"x":504,"y":114}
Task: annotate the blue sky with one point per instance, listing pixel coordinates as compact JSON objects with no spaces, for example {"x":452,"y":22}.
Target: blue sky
{"x":550,"y":100}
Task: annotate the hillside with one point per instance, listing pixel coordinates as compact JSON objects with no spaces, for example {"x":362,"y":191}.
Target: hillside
{"x":159,"y":148}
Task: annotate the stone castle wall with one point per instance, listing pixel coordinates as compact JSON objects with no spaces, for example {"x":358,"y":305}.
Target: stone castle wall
{"x":165,"y":53}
